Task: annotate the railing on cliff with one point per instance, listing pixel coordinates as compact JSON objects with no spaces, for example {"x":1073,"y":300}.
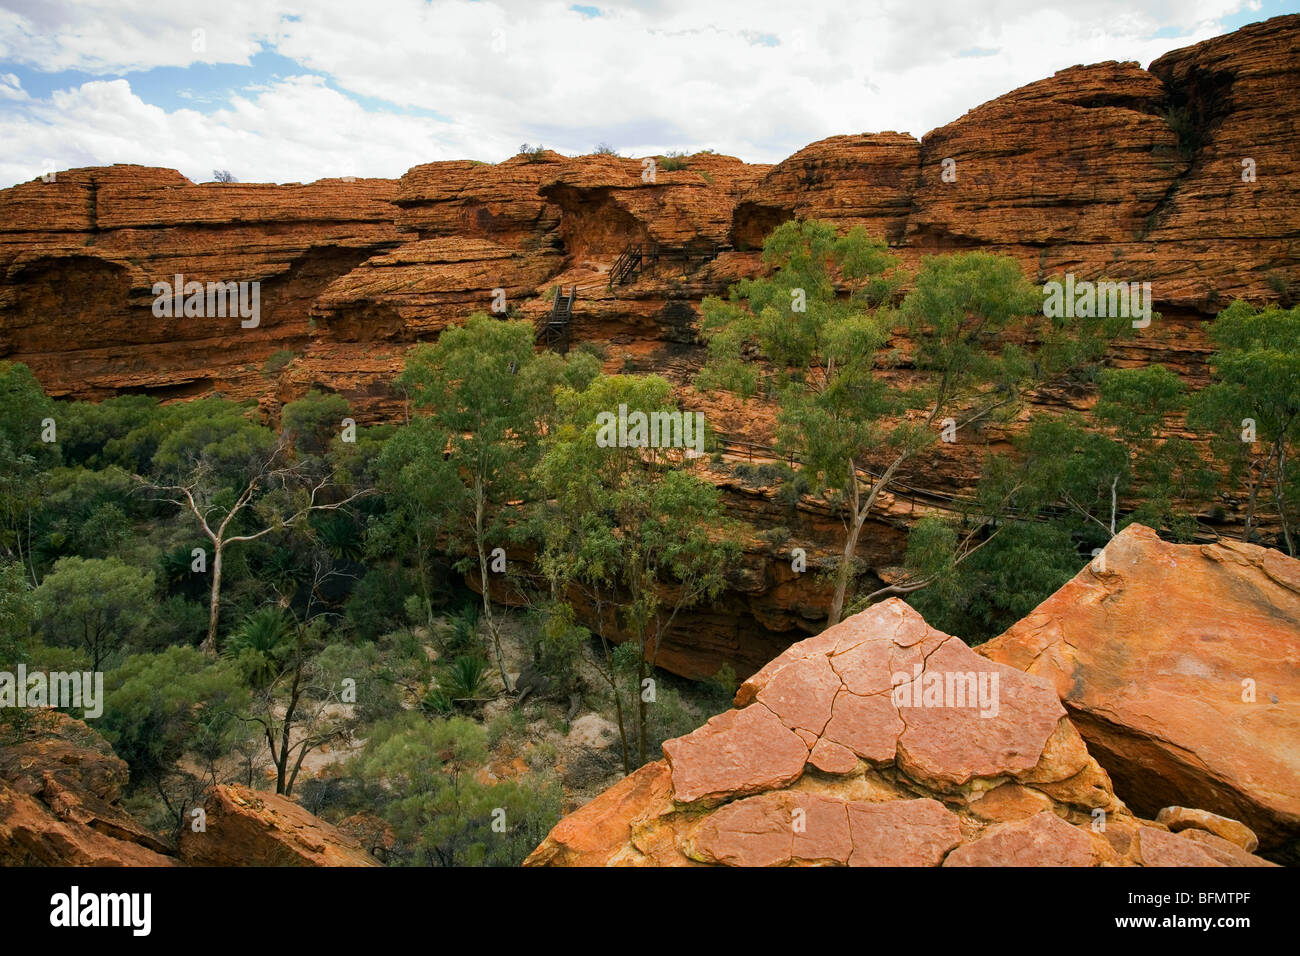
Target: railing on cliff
{"x":554,"y":331}
{"x":647,"y":255}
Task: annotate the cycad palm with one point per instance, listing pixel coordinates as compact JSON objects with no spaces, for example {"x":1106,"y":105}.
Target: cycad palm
{"x":261,"y":641}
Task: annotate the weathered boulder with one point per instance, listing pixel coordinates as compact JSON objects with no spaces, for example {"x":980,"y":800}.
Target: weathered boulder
{"x":60,"y":792}
{"x":1180,"y":666}
{"x":1178,"y":819}
{"x":251,"y":828}
{"x":60,"y":788}
{"x":879,"y":742}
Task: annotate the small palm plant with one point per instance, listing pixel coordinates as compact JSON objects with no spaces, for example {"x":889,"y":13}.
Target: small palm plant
{"x":260,"y":644}
{"x":339,"y":535}
{"x":463,"y":635}
{"x":466,"y":680}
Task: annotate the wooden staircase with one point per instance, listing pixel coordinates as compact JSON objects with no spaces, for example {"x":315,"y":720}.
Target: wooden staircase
{"x":554,"y":331}
{"x":631,"y":258}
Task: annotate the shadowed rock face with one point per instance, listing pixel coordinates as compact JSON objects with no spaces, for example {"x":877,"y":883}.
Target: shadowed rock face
{"x":1180,"y":665}
{"x":851,"y":748}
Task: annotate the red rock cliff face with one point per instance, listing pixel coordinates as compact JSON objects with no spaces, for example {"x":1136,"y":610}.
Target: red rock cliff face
{"x":1106,"y":170}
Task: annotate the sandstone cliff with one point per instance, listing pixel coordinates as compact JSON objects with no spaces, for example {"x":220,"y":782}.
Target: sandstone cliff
{"x":1104,"y":170}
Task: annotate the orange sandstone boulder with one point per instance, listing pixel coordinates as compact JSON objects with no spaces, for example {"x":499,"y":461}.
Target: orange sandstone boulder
{"x":879,"y":742}
{"x":251,"y":828}
{"x":1180,"y":665}
{"x":60,"y":788}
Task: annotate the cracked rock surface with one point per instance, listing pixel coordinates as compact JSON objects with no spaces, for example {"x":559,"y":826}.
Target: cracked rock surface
{"x":879,"y":742}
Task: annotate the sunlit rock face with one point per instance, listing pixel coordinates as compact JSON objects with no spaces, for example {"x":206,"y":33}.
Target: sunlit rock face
{"x":879,"y":742}
{"x":1180,"y":665}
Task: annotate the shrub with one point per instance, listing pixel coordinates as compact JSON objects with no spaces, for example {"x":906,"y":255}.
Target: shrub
{"x":178,"y":621}
{"x":376,"y":605}
{"x":441,"y":814}
{"x":259,"y":644}
{"x":466,"y":679}
{"x":673,"y":162}
{"x":276,"y":363}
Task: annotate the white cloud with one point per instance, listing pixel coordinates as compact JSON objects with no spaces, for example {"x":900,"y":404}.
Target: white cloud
{"x":11,"y":88}
{"x":755,"y":78}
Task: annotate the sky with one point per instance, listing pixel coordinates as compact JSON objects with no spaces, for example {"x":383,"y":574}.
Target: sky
{"x":295,"y":90}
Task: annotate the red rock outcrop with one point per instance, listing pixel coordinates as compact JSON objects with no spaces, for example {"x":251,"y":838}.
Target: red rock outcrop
{"x":60,"y":792}
{"x":879,"y":742}
{"x":1180,"y":665}
{"x":60,"y":788}
{"x":251,"y":828}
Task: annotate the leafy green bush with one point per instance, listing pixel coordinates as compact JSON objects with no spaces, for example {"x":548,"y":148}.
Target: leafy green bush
{"x":178,"y":622}
{"x":375,"y":606}
{"x":97,"y":604}
{"x":424,"y":784}
{"x":314,"y":420}
{"x":277,"y":362}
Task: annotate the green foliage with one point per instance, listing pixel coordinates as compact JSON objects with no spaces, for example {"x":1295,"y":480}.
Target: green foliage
{"x":673,"y":161}
{"x":86,"y":429}
{"x":17,"y":610}
{"x":160,"y":706}
{"x":259,"y":646}
{"x":178,"y":621}
{"x":466,"y":680}
{"x":534,"y":154}
{"x":422,"y":494}
{"x":375,"y":606}
{"x":558,"y":640}
{"x":98,"y":604}
{"x":1256,"y":385}
{"x":23,"y":408}
{"x":997,"y":585}
{"x":640,"y":535}
{"x":819,"y":320}
{"x":86,"y":513}
{"x":490,"y":397}
{"x":461,"y":634}
{"x":440,"y":812}
{"x":23,"y":458}
{"x":277,"y":362}
{"x":313,"y":421}
{"x":337,"y":532}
